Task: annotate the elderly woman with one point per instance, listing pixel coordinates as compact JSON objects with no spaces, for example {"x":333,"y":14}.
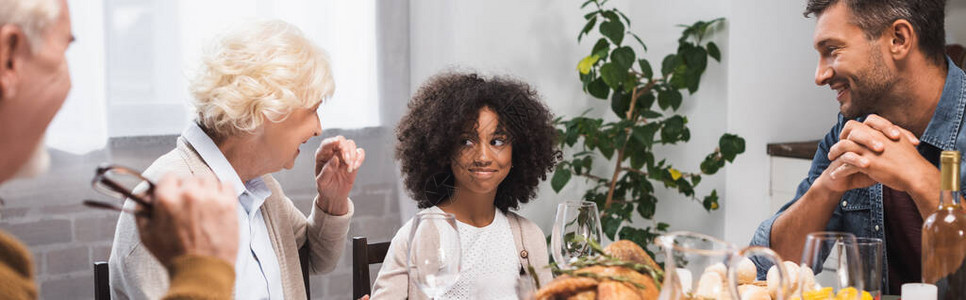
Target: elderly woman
{"x":475,"y":147}
{"x":256,"y":99}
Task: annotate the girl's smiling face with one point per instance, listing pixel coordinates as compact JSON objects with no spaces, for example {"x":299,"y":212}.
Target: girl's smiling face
{"x":485,"y":155}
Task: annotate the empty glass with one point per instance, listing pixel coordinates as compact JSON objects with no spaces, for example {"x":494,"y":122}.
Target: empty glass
{"x":434,"y":252}
{"x":576,"y":224}
{"x":833,"y":258}
{"x":871,"y":251}
{"x":698,"y":266}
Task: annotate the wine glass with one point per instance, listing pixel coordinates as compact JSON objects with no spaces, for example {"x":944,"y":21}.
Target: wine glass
{"x":831,"y":266}
{"x":576,"y":225}
{"x":434,"y":252}
{"x":871,"y":251}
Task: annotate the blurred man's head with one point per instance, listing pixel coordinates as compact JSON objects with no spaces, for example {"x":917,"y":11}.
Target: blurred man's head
{"x":863,"y":43}
{"x":34,"y":80}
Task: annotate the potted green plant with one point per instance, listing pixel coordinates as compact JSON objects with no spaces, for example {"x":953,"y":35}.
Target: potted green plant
{"x":646,"y":103}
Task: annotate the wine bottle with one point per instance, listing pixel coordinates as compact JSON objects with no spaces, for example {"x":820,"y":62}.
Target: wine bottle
{"x":944,"y":235}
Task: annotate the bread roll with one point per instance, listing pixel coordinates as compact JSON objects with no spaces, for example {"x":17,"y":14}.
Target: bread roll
{"x":753,"y":292}
{"x":718,"y":268}
{"x":773,"y":282}
{"x":711,"y":285}
{"x":746,"y":271}
{"x":807,"y":280}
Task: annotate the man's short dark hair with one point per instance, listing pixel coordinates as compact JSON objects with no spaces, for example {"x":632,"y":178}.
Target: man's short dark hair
{"x":874,"y":16}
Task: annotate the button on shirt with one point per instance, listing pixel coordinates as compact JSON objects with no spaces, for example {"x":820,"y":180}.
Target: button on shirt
{"x":861,"y":211}
{"x":257,"y":273}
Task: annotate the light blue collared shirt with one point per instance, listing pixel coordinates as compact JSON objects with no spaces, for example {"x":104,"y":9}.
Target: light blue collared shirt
{"x":257,"y":273}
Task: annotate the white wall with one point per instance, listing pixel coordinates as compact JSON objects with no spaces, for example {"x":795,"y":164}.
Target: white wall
{"x":80,"y":126}
{"x":763,"y":90}
{"x":656,"y":22}
{"x":772,"y":97}
{"x":534,"y":41}
{"x":956,"y":22}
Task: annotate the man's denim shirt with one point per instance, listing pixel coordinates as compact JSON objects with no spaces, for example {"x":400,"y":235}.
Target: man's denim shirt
{"x":860,"y":211}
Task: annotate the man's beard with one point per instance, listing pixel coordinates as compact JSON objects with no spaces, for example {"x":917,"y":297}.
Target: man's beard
{"x":37,"y":164}
{"x":871,"y":89}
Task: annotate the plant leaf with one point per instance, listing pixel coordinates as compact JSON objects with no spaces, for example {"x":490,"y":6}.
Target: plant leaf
{"x":613,"y":75}
{"x":611,"y":16}
{"x":601,"y":48}
{"x":620,"y":102}
{"x":650,"y":114}
{"x":669,"y":98}
{"x":645,"y":134}
{"x":731,"y":145}
{"x":711,"y":164}
{"x":623,"y":57}
{"x":646,"y":207}
{"x":668,"y":64}
{"x":675,"y":174}
{"x":672,"y":129}
{"x":637,"y":158}
{"x":644,"y":102}
{"x":638,"y":236}
{"x":674,"y":98}
{"x":587,"y":28}
{"x":626,"y":19}
{"x":646,"y":68}
{"x":610,"y":225}
{"x":639,"y":41}
{"x":560,"y":178}
{"x":696,"y":58}
{"x":714,"y":51}
{"x":598,"y":88}
{"x":711,"y":201}
{"x":587,"y":63}
{"x":613,"y":30}
{"x":607,"y":149}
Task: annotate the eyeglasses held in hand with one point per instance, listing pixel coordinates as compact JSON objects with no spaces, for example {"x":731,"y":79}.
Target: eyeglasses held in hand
{"x":121,"y":183}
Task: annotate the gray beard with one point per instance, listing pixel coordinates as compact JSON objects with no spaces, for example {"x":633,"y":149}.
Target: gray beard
{"x":37,"y":164}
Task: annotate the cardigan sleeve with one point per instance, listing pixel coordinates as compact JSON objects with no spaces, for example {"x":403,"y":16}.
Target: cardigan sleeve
{"x":16,"y":270}
{"x":326,"y":235}
{"x":200,"y":277}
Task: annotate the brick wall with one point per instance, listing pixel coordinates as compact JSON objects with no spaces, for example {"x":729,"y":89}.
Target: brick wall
{"x":66,"y":237}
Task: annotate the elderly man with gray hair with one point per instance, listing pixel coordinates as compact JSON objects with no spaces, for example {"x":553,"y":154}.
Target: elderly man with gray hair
{"x":34,"y":81}
{"x":256,"y":99}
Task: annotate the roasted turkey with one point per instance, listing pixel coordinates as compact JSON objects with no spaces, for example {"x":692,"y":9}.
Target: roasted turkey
{"x":593,"y":282}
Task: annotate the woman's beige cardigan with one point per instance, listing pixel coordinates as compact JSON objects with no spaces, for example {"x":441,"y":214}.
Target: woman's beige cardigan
{"x":393,"y":280}
{"x":136,"y":274}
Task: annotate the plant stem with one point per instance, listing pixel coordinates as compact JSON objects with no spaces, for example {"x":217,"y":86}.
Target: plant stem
{"x":630,"y":111}
{"x":620,"y":153}
{"x":594,"y":177}
{"x":635,"y":171}
{"x":613,"y":181}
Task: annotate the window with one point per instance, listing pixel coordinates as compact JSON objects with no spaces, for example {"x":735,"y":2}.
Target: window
{"x":134,"y":58}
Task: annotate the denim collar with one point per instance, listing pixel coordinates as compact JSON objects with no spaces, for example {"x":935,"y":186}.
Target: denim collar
{"x":946,"y":122}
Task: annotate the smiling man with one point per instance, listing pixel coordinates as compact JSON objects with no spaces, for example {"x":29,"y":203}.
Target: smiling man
{"x":901,"y":100}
